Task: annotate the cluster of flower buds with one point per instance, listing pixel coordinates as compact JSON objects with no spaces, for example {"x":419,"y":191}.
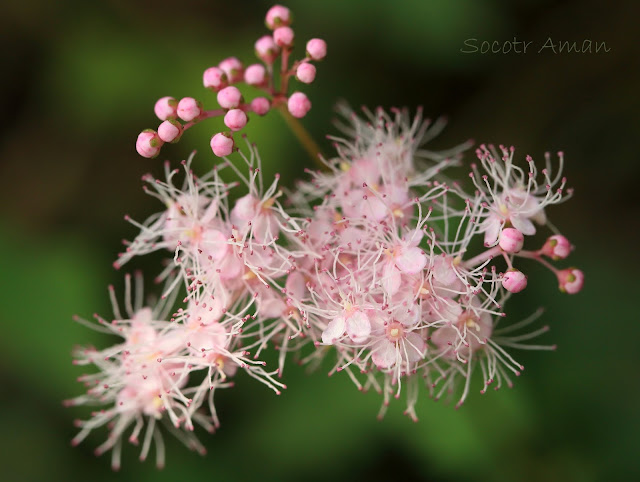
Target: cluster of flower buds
{"x":178,"y":116}
{"x":379,"y":259}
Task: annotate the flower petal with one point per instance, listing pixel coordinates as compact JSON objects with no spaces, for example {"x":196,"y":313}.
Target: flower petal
{"x":384,"y":354}
{"x":358,"y":327}
{"x":411,"y":260}
{"x":334,"y":330}
{"x":524,"y":225}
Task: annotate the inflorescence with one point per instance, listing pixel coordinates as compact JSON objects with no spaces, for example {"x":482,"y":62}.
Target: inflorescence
{"x":401,"y":271}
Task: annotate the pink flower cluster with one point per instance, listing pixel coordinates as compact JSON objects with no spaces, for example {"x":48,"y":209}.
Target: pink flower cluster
{"x":230,"y":72}
{"x":379,"y":261}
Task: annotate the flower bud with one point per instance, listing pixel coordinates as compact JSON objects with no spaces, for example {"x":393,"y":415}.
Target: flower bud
{"x":229,"y":98}
{"x":189,"y":109}
{"x":511,"y":240}
{"x":316,"y":49}
{"x":222,"y":144}
{"x":235,"y":119}
{"x":306,"y":72}
{"x":232,"y":68}
{"x":165,"y":108}
{"x":283,"y":37}
{"x":556,"y":247}
{"x":255,"y":74}
{"x":266,"y":49}
{"x":298,"y":104}
{"x":214,"y":78}
{"x":514,"y":281}
{"x":170,"y":131}
{"x":148,"y":143}
{"x":570,"y":280}
{"x":277,"y":16}
{"x":260,"y":105}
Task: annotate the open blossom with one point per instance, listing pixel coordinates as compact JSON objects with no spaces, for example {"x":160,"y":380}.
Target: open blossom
{"x":376,"y":262}
{"x":515,"y":197}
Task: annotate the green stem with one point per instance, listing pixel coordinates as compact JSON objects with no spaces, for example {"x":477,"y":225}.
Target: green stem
{"x":303,"y":135}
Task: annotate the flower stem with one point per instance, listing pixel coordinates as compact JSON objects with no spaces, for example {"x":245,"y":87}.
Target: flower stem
{"x":302,"y":134}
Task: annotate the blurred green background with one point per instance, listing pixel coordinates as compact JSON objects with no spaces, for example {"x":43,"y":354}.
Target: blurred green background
{"x":80,"y":79}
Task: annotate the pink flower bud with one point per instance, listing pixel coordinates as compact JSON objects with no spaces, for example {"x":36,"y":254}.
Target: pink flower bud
{"x":255,"y":74}
{"x":283,"y":37}
{"x":214,"y":78}
{"x":222,"y":144}
{"x":570,"y":280}
{"x":557,"y":247}
{"x":277,"y":16}
{"x":148,"y":143}
{"x":232,"y":68}
{"x":511,"y":240}
{"x":235,"y":119}
{"x":306,"y":72}
{"x":166,"y":108}
{"x":316,"y":48}
{"x":266,"y":49}
{"x":188,"y":109}
{"x":298,"y":104}
{"x":170,"y":130}
{"x":229,"y":98}
{"x":514,"y":281}
{"x":260,"y":105}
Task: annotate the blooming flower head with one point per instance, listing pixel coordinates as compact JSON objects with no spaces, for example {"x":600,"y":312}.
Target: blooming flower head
{"x":514,"y":197}
{"x":381,"y":260}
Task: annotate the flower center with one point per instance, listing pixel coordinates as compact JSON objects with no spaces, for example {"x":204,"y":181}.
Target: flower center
{"x":395,"y":331}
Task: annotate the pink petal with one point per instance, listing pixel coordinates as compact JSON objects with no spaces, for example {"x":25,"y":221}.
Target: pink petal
{"x":214,"y":244}
{"x":295,"y":286}
{"x":444,"y":337}
{"x":358,"y":327}
{"x":413,"y":237}
{"x":492,"y":226}
{"x":384,"y":354}
{"x":265,"y":228}
{"x":523,"y":224}
{"x":443,"y":272}
{"x":271,"y":307}
{"x":334,"y":330}
{"x":391,"y":279}
{"x":376,"y":208}
{"x":415,"y":346}
{"x":411,"y":260}
{"x":245,"y":209}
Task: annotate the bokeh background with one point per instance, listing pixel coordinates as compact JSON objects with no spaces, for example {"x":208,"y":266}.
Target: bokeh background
{"x":80,"y":79}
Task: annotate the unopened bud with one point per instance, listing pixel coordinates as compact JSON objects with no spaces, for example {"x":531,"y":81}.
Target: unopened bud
{"x":306,"y":72}
{"x":283,"y":37}
{"x":266,"y":49}
{"x":511,"y":240}
{"x":165,"y":108}
{"x":514,"y":281}
{"x":232,"y":67}
{"x":260,"y":105}
{"x":170,"y":131}
{"x":277,"y":16}
{"x":255,"y":74}
{"x":298,"y":104}
{"x":316,"y":49}
{"x":570,"y":280}
{"x":229,"y":97}
{"x":214,"y":78}
{"x":148,"y":143}
{"x":557,"y":247}
{"x":188,"y":109}
{"x":222,"y":144}
{"x":235,"y":119}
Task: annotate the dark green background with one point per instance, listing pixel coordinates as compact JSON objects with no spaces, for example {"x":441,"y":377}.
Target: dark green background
{"x":79,"y":82}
